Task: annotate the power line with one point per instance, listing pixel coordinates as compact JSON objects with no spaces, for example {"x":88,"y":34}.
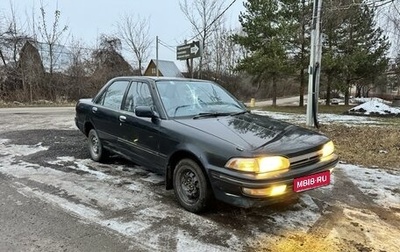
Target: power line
{"x":171,"y":48}
{"x":215,"y":20}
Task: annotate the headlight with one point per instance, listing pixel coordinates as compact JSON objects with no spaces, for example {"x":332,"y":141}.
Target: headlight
{"x":327,"y":149}
{"x":259,"y":165}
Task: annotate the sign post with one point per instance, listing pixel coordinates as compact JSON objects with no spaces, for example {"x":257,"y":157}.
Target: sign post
{"x":189,"y":51}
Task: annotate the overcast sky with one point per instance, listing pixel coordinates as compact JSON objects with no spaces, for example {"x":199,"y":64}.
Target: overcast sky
{"x":87,"y":19}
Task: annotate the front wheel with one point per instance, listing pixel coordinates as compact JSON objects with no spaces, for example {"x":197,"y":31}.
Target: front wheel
{"x":96,"y":150}
{"x":191,"y":186}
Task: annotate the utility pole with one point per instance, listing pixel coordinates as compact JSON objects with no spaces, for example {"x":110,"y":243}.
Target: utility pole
{"x":314,"y":68}
{"x":157,"y":56}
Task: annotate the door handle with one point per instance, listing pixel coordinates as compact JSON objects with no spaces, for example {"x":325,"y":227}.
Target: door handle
{"x":122,"y":118}
{"x":94,"y":109}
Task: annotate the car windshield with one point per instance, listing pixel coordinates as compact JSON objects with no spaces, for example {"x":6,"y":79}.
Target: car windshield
{"x":188,"y":98}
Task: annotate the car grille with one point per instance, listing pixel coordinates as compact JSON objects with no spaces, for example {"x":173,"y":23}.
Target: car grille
{"x":304,"y":160}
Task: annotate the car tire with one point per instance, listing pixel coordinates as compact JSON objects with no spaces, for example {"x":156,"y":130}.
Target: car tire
{"x":96,"y":149}
{"x":191,"y":186}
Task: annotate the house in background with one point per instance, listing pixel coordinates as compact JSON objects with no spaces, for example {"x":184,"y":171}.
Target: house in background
{"x":36,"y":54}
{"x":30,"y":60}
{"x":165,"y":68}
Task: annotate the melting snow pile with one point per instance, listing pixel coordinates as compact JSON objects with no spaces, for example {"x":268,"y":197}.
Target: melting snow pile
{"x":367,"y":99}
{"x":374,"y":107}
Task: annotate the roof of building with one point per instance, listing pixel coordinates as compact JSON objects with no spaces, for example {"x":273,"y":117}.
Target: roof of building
{"x":167,"y":68}
{"x":62,"y":56}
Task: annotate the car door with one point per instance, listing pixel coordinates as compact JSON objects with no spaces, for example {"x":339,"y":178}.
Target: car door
{"x":106,"y":111}
{"x":138,"y":135}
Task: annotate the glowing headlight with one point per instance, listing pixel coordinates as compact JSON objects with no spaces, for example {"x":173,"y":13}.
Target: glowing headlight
{"x":259,"y":165}
{"x":327,"y":149}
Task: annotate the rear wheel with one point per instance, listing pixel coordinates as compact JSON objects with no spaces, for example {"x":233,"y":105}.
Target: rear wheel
{"x":191,"y":186}
{"x":96,"y":150}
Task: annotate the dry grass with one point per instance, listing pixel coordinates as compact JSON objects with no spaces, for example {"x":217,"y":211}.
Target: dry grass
{"x":366,"y":145}
{"x":302,"y":110}
{"x":369,"y":146}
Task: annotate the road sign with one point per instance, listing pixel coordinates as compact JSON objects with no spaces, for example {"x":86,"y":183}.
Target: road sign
{"x":188,"y":51}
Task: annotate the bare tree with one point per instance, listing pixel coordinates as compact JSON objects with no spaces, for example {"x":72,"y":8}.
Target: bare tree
{"x":78,"y":71}
{"x":135,"y":33}
{"x":53,"y":35}
{"x":108,"y":61}
{"x":388,"y":18}
{"x":226,"y":53}
{"x":12,"y":37}
{"x":205,"y":18}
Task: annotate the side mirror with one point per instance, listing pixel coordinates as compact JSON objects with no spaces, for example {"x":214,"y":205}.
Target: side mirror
{"x":145,"y":111}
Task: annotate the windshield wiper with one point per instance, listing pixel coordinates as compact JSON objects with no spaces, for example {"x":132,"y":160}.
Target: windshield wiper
{"x":181,"y":106}
{"x":239,"y":113}
{"x":215,"y":114}
{"x":211,"y":114}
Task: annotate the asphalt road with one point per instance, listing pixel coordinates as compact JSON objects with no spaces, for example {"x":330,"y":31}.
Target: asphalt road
{"x":31,"y":224}
{"x":286,"y":101}
{"x":54,"y":198}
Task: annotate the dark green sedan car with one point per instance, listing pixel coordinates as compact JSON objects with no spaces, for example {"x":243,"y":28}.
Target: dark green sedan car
{"x":205,"y":142}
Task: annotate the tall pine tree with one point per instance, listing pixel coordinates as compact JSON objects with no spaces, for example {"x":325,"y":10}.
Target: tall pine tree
{"x":265,"y":38}
{"x":297,"y":14}
{"x":356,"y":48}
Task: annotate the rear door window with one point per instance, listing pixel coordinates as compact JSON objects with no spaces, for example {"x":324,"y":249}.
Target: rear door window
{"x":113,"y":96}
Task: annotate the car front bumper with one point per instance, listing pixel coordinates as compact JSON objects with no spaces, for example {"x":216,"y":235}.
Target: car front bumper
{"x":228,"y":185}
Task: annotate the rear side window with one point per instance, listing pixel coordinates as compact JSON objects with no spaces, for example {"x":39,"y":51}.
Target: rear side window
{"x":112,"y":97}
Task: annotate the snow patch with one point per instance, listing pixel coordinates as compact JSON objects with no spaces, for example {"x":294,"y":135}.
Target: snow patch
{"x":350,"y":120}
{"x":20,"y":150}
{"x":4,"y":141}
{"x":382,"y":186}
{"x":299,"y":220}
{"x":374,"y":107}
{"x":368,"y":99}
{"x":187,"y":243}
{"x":154,"y":179}
{"x":126,"y":228}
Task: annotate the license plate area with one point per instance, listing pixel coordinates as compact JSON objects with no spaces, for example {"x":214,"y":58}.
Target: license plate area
{"x":312,"y":181}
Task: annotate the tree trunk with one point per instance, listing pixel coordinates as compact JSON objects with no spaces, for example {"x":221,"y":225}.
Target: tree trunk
{"x":274,"y":90}
{"x":328,"y":89}
{"x":302,"y":87}
{"x":358,"y":91}
{"x":347,"y":93}
{"x":140,"y":67}
{"x":2,"y":58}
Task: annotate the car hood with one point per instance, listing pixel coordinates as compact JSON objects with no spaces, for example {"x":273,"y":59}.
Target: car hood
{"x":258,"y":133}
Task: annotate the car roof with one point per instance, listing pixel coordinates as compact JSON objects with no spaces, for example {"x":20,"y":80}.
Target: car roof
{"x":160,"y":78}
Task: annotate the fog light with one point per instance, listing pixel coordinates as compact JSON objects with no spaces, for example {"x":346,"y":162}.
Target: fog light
{"x":270,"y":191}
{"x":278,"y":190}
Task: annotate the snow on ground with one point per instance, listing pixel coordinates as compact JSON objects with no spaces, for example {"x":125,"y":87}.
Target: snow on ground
{"x":96,"y":193}
{"x":104,"y":189}
{"x":374,"y":107}
{"x":367,"y":99}
{"x":382,"y":185}
{"x":108,"y":194}
{"x":322,"y":118}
